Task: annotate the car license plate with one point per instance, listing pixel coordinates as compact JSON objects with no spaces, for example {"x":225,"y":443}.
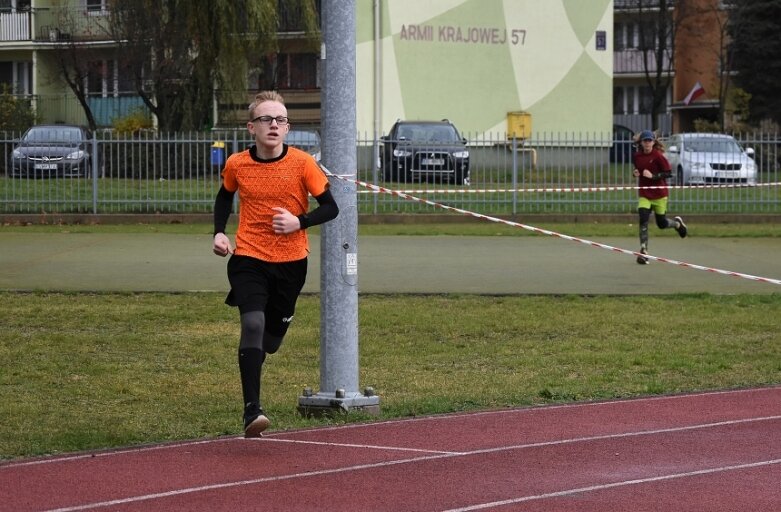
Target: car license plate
{"x":727,"y":174}
{"x":432,"y":161}
{"x":45,"y":167}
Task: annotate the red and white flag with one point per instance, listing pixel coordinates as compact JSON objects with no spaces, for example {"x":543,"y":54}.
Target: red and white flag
{"x":697,"y":91}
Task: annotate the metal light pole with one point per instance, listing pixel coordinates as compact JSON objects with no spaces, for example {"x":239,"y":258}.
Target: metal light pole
{"x":339,"y":238}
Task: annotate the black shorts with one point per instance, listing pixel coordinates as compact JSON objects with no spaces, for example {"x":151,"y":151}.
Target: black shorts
{"x":273,"y":288}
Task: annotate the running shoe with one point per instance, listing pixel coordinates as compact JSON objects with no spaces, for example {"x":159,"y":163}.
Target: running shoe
{"x":681,"y":229}
{"x":642,"y":260}
{"x":254,"y":427}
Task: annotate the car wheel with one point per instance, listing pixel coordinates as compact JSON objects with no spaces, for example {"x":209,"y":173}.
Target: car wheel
{"x":461,"y":177}
{"x":390,"y":170}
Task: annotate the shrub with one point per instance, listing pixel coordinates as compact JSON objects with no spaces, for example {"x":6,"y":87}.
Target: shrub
{"x":16,"y":114}
{"x":136,"y":121}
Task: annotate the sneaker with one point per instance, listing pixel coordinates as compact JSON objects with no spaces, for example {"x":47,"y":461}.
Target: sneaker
{"x":642,"y":260}
{"x":681,"y":229}
{"x":254,"y":427}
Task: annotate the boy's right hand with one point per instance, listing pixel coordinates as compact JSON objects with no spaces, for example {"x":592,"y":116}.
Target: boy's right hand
{"x":222,"y":245}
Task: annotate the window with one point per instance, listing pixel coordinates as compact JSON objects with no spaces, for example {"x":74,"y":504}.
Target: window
{"x":17,"y":76}
{"x":625,"y":36}
{"x":96,"y":7}
{"x":297,"y":71}
{"x":107,"y":78}
{"x":124,"y":79}
{"x":646,"y":100}
{"x":634,"y":100}
{"x":619,"y":105}
{"x":288,"y":71}
{"x":7,"y":73}
{"x":18,"y":5}
{"x":96,"y":78}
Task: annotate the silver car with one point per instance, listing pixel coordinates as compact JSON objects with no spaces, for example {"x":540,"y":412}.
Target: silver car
{"x":710,"y":158}
{"x":306,"y":140}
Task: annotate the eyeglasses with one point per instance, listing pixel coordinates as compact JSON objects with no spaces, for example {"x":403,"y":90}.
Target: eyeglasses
{"x":281,"y":120}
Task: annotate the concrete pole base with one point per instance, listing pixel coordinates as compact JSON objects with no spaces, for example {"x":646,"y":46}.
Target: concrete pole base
{"x":338,"y":403}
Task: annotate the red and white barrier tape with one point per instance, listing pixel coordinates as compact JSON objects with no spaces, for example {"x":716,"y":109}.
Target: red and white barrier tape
{"x":567,"y":189}
{"x":404,"y":195}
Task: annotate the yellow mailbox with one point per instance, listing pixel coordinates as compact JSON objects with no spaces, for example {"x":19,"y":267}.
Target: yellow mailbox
{"x":519,"y":125}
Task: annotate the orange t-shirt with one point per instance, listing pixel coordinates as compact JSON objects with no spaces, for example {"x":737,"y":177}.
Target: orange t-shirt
{"x":284,"y":182}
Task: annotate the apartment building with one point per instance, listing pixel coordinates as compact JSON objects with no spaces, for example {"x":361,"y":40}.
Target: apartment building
{"x":35,"y":33}
{"x":691,"y":68}
{"x":37,"y":36}
{"x":34,"y":36}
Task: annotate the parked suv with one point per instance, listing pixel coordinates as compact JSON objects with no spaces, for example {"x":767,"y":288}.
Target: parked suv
{"x":420,"y":150}
{"x":705,"y":158}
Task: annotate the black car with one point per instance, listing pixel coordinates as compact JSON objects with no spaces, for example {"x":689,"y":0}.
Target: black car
{"x":48,"y":151}
{"x":422,"y":150}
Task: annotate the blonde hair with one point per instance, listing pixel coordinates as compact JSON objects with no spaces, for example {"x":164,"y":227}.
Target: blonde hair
{"x":264,"y":96}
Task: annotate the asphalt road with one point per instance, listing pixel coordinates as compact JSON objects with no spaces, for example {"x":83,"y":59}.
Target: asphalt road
{"x":397,"y":264}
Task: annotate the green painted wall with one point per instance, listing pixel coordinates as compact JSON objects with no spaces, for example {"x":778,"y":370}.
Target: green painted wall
{"x":474,"y":61}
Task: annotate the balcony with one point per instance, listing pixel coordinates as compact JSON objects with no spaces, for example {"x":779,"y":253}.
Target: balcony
{"x":639,"y":5}
{"x":54,"y":25}
{"x":630,"y":63}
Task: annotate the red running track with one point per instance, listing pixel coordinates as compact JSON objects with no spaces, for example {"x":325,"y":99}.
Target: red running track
{"x":711,"y":452}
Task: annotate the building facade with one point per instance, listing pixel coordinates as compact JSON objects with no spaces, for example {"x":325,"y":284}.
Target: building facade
{"x":691,"y":63}
{"x":570,"y":66}
{"x":38,"y":36}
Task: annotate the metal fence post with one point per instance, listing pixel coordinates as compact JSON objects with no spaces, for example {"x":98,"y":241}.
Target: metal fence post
{"x":515,"y":175}
{"x":95,"y":167}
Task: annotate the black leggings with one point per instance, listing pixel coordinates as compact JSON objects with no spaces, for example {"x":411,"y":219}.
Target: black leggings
{"x":255,"y":335}
{"x":662,"y":222}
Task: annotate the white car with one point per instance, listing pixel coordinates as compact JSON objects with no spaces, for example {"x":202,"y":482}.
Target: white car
{"x":710,"y":158}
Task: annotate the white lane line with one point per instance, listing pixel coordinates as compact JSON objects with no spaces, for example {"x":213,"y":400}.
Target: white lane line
{"x":360,"y":467}
{"x":94,"y":455}
{"x":625,"y":483}
{"x":189,"y":490}
{"x":349,"y":445}
{"x":442,"y":417}
{"x":540,"y":443}
{"x":623,"y":435}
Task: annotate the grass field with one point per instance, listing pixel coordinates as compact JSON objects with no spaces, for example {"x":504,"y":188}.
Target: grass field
{"x":490,"y":193}
{"x":87,"y":371}
{"x":704,"y":229}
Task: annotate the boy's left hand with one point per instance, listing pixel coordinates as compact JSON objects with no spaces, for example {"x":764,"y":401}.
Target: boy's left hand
{"x":284,"y":222}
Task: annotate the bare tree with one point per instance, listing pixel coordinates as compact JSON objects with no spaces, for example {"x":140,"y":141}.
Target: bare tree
{"x":657,"y":22}
{"x":74,"y":58}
